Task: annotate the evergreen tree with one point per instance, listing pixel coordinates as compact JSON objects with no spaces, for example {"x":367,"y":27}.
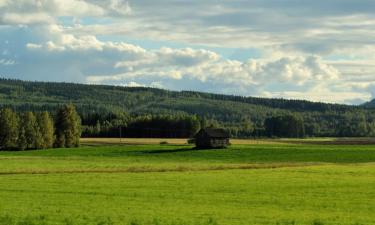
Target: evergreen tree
{"x":8,"y":129}
{"x":68,"y":127}
{"x":97,"y":128}
{"x":195,"y":125}
{"x":46,"y":129}
{"x":285,"y":126}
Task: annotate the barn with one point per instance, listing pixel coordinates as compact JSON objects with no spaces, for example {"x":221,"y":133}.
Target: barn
{"x":211,"y":138}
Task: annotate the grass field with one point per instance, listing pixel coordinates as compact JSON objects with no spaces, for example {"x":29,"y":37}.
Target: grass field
{"x":264,"y":182}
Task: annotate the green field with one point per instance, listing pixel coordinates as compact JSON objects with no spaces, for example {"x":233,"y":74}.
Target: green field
{"x":267,"y":183}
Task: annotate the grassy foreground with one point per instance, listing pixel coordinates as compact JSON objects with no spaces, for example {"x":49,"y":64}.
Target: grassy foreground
{"x":173,"y":184}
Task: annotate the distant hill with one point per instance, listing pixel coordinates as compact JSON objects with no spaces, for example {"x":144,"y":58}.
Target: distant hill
{"x":321,"y":119}
{"x":17,"y":92}
{"x":370,"y":104}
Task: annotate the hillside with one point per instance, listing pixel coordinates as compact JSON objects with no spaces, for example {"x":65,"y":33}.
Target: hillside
{"x":230,"y":111}
{"x":370,"y":104}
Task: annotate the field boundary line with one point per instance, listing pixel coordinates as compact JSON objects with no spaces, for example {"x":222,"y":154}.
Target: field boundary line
{"x":162,"y":170}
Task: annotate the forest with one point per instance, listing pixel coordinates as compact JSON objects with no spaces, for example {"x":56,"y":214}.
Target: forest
{"x":111,"y":111}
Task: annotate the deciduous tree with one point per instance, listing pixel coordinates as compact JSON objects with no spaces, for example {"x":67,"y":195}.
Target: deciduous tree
{"x":30,"y":136}
{"x":46,"y":129}
{"x":8,"y":129}
{"x":68,"y":127}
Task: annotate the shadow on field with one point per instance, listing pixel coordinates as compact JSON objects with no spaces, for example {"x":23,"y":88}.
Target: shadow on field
{"x":194,"y":149}
{"x":161,"y":151}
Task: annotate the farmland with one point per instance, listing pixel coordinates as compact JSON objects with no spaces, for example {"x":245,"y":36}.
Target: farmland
{"x":135,"y":181}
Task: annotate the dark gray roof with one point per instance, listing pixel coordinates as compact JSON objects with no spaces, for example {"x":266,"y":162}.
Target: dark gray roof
{"x":215,"y":132}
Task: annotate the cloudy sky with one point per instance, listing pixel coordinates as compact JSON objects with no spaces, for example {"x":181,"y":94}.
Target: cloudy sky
{"x":321,"y":50}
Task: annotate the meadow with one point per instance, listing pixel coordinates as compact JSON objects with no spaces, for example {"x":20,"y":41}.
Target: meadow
{"x":141,"y":182}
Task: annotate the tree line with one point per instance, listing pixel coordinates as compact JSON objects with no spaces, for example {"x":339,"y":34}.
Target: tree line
{"x":40,"y":130}
{"x":282,"y":124}
{"x":146,"y":126}
{"x":28,"y":130}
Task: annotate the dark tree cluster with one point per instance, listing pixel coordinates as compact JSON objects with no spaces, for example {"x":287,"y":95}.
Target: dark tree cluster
{"x":290,"y":126}
{"x":29,"y":130}
{"x":147,"y":126}
{"x":163,"y":126}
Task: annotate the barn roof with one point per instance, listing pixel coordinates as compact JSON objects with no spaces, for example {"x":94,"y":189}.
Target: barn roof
{"x":215,"y":132}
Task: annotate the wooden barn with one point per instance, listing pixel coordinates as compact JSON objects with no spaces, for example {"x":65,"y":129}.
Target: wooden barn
{"x":211,"y":138}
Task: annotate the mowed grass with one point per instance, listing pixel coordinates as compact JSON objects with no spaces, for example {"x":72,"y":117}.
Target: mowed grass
{"x":267,"y":183}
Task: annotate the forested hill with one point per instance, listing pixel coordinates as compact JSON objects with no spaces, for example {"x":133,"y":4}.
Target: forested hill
{"x":232,"y":112}
{"x":370,"y":104}
{"x":126,"y":98}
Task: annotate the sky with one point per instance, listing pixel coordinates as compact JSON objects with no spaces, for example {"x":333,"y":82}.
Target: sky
{"x":321,"y":50}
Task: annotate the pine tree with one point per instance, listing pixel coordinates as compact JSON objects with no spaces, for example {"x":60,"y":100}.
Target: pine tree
{"x":68,"y":127}
{"x":97,"y":128}
{"x":8,"y":129}
{"x":46,"y":129}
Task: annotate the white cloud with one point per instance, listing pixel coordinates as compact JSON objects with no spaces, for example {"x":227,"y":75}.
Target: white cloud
{"x":7,"y":62}
{"x":122,"y":63}
{"x":46,"y":11}
{"x":322,"y":94}
{"x":33,"y":46}
{"x":299,"y":70}
{"x":133,"y":84}
{"x":68,"y":42}
{"x":119,"y":6}
{"x":26,"y":18}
